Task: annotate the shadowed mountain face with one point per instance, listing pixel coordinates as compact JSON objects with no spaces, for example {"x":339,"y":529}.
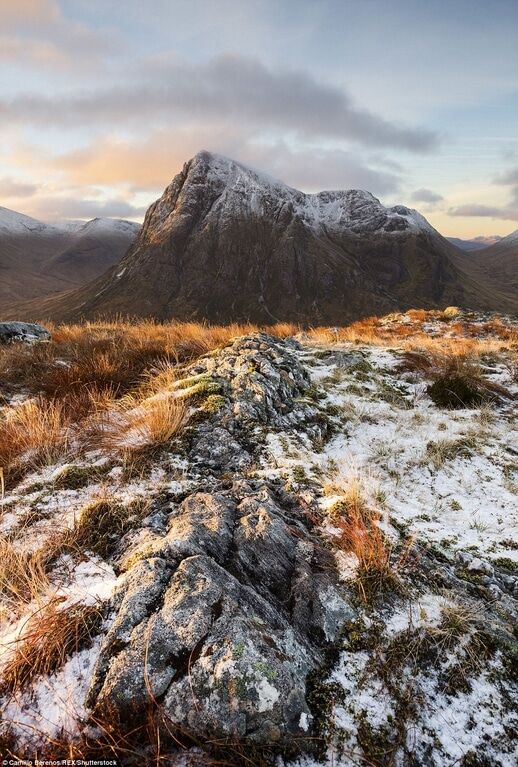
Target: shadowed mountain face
{"x":226,"y":243}
{"x":37,"y":259}
{"x":500,"y":261}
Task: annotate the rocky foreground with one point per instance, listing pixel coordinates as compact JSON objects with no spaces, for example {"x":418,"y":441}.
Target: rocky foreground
{"x":321,"y":569}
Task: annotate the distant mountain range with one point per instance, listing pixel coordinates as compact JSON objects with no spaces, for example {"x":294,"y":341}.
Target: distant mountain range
{"x":501,"y":259}
{"x":477,"y":243}
{"x":37,"y":259}
{"x":228,"y":243}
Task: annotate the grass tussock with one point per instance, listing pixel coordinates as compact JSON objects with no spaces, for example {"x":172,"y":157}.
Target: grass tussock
{"x":101,"y":524}
{"x":133,"y":425}
{"x":457,"y":379}
{"x":23,"y":577}
{"x":360,"y":534}
{"x":36,"y":432}
{"x":48,"y":637}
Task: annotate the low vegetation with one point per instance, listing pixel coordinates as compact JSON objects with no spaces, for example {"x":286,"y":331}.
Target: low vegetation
{"x":359,"y":533}
{"x":104,"y":385}
{"x":47,"y":638}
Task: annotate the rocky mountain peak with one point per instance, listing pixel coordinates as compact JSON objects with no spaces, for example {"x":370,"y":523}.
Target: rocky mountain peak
{"x":228,"y":243}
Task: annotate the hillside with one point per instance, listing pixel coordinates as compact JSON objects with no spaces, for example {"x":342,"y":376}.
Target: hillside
{"x":38,"y":259}
{"x":501,"y":261}
{"x":226,"y":243}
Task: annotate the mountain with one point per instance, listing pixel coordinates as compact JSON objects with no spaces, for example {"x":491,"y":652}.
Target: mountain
{"x":227,"y":243}
{"x":37,"y":259}
{"x":500,"y":261}
{"x":477,"y":243}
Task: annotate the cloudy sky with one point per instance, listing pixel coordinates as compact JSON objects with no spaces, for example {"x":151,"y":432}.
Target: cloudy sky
{"x":102,"y":101}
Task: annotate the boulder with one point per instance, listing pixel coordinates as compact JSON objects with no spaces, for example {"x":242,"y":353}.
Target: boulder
{"x":25,"y":332}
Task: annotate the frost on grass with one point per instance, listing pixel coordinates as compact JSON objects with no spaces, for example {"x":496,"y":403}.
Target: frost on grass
{"x":319,"y":476}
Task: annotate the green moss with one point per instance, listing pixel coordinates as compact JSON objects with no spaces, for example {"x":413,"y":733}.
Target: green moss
{"x":214,"y":403}
{"x":202,"y":390}
{"x":186,"y":383}
{"x":314,"y":393}
{"x":238,"y":650}
{"x":467,"y":575}
{"x":299,"y":475}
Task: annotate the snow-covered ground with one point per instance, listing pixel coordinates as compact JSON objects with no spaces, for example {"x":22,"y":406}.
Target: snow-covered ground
{"x":449,"y":476}
{"x":447,"y":479}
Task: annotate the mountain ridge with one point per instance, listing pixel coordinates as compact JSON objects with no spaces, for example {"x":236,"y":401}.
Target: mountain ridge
{"x":225,"y":243}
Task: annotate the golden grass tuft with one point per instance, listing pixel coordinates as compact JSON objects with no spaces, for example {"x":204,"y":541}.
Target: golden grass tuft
{"x":48,"y":637}
{"x":38,"y":430}
{"x":22,"y":577}
{"x":360,"y":534}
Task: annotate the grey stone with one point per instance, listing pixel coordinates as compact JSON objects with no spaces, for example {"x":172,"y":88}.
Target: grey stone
{"x":26,"y":332}
{"x":222,"y":618}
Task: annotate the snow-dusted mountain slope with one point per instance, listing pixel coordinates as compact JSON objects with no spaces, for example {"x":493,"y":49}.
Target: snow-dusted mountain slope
{"x":227,"y":243}
{"x":247,"y":191}
{"x":13,"y":223}
{"x":37,"y":258}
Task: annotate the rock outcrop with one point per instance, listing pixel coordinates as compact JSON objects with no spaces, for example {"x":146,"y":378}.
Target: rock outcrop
{"x":230,"y":600}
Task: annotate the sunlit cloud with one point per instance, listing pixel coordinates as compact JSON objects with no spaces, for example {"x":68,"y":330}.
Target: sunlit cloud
{"x":10,"y":187}
{"x":506,"y":213}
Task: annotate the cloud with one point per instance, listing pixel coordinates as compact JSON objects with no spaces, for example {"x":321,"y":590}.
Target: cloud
{"x":9,"y":187}
{"x":505,"y":213}
{"x":60,"y":208}
{"x":317,"y":169}
{"x":511,"y":177}
{"x":226,"y":90}
{"x":23,"y":13}
{"x":426,"y":195}
{"x":36,"y":32}
{"x":150,"y":163}
{"x":31,"y":52}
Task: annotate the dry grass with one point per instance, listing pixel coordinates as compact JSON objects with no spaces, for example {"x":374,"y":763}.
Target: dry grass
{"x":48,"y":637}
{"x":100,"y":385}
{"x":457,"y":337}
{"x":101,"y":524}
{"x":360,"y":534}
{"x":22,"y":577}
{"x":133,"y":425}
{"x":112,"y":355}
{"x":37,"y":431}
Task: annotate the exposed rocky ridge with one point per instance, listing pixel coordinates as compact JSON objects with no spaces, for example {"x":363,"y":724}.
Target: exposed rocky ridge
{"x":231,"y":600}
{"x":226,"y":243}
